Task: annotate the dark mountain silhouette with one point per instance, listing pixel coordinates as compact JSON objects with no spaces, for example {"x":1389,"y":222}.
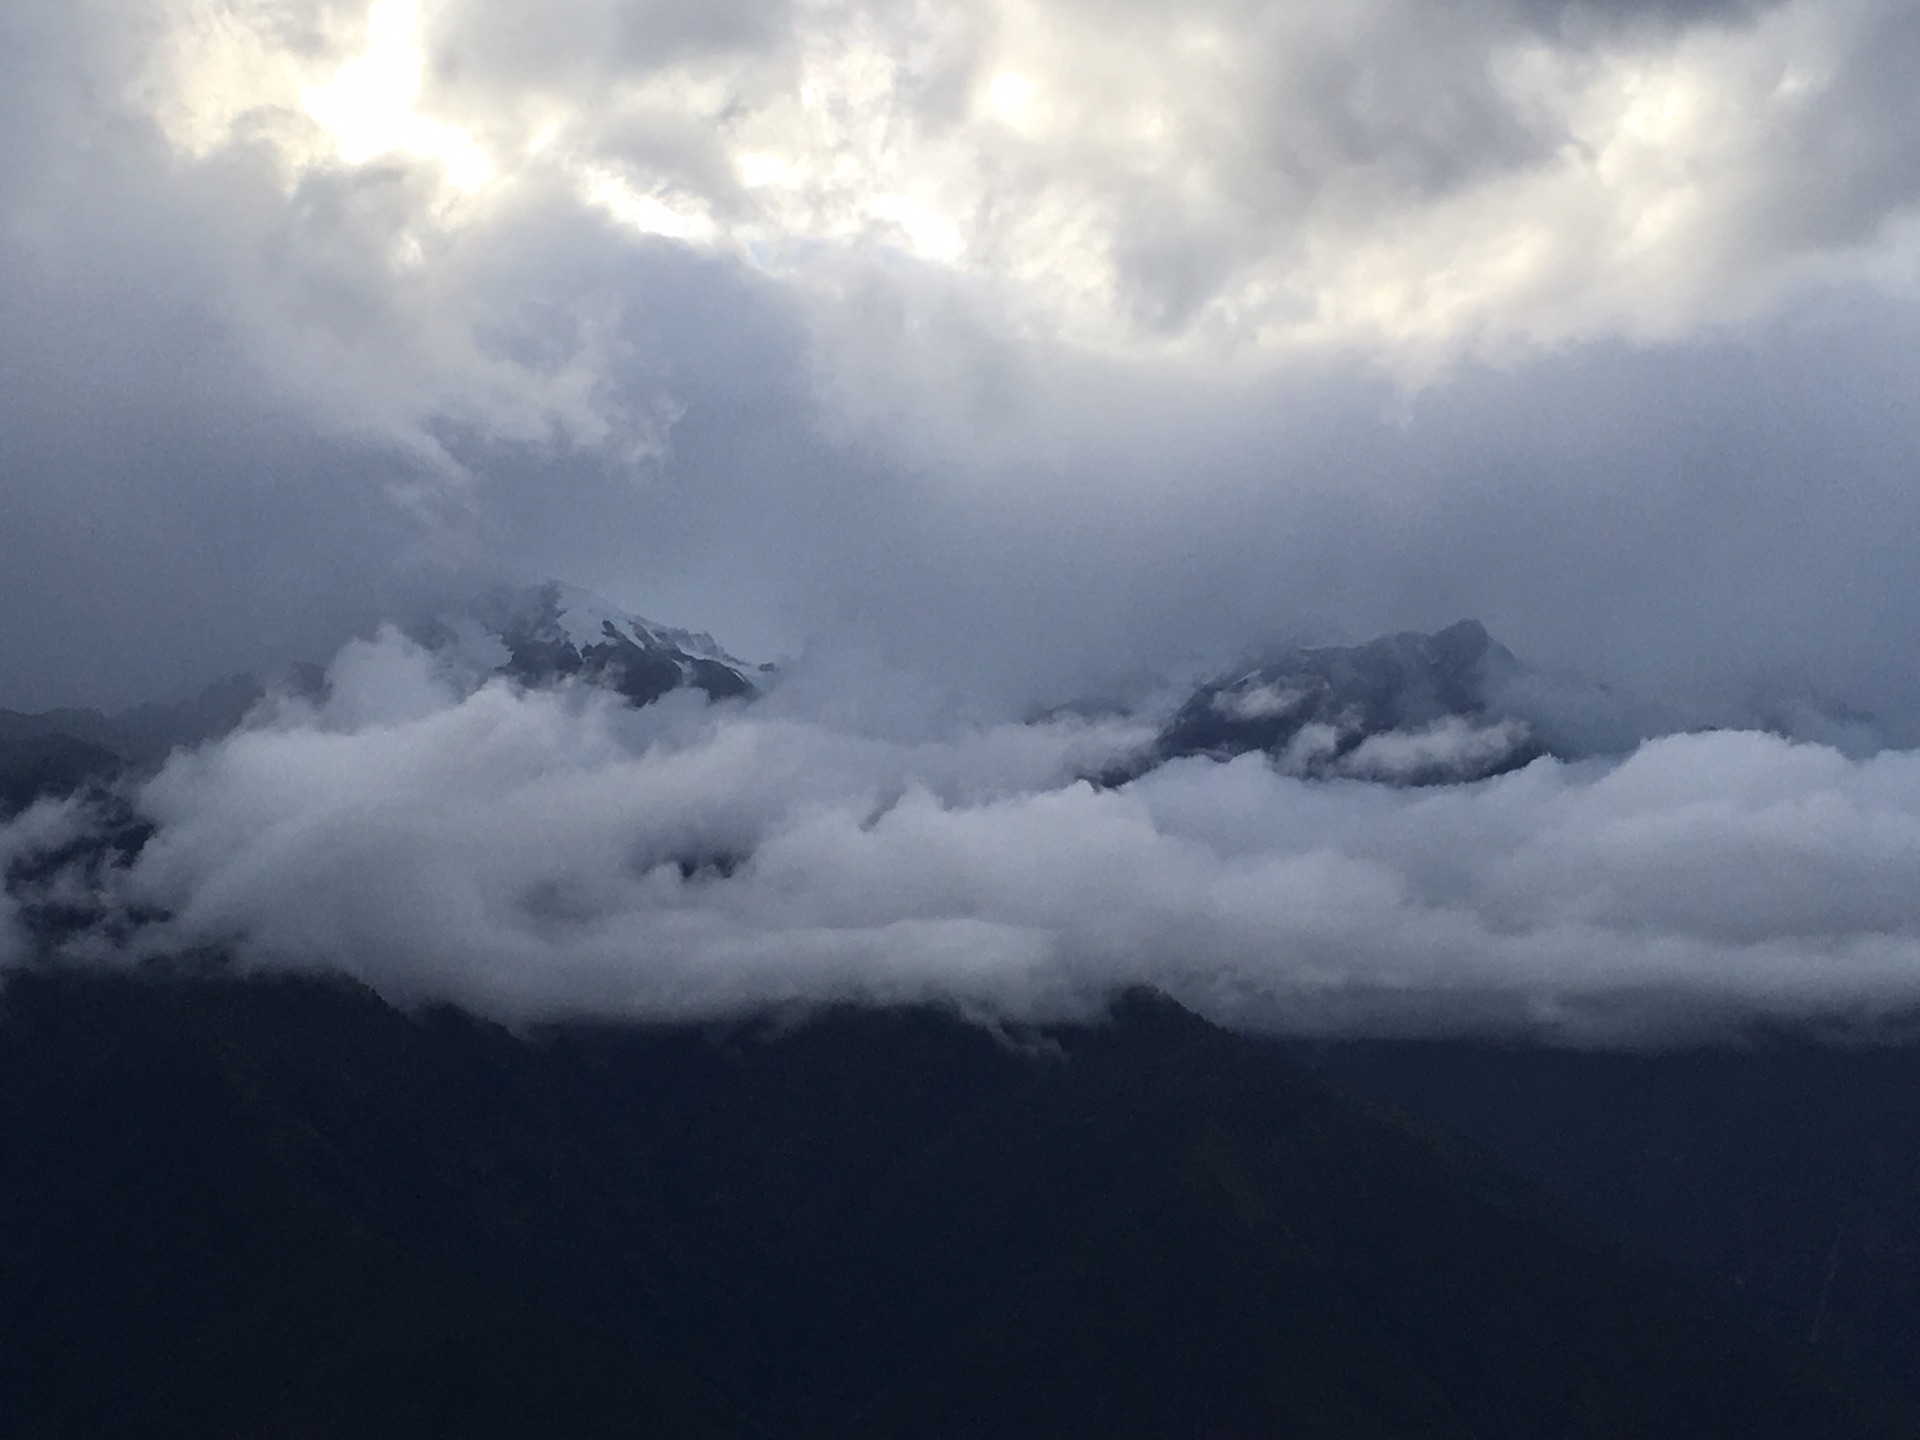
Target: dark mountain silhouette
{"x":1783,"y":1172}
{"x":285,"y":1209}
{"x":43,"y":766}
{"x":145,"y":733}
{"x":56,"y":752}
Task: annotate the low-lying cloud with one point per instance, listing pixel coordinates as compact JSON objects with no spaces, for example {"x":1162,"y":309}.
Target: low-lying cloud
{"x":544,"y":854}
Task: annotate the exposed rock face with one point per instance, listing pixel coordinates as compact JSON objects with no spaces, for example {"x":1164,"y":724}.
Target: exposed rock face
{"x":547,"y":633}
{"x":535,"y":635}
{"x":1407,"y":709}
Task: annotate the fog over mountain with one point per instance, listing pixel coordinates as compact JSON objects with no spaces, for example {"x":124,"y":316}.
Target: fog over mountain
{"x":977,"y":362}
{"x":522,"y":817}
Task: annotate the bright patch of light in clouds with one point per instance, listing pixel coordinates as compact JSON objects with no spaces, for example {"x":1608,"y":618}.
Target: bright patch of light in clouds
{"x":928,"y":233}
{"x":368,"y":105}
{"x":643,"y":213}
{"x":225,"y":71}
{"x":1010,"y":95}
{"x":1379,"y":182}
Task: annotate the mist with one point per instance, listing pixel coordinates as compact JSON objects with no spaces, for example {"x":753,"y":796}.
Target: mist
{"x":548,"y":854}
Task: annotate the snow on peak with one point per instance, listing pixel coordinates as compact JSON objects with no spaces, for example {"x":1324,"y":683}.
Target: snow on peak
{"x":542,"y":633}
{"x":556,"y":611}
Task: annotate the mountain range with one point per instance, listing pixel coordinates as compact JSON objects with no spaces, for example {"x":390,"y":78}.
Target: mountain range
{"x":283,"y":1208}
{"x":1450,"y":707}
{"x":538,"y":635}
{"x":286,"y":1208}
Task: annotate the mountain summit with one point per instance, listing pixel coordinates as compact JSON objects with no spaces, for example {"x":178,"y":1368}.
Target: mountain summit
{"x":541,"y":634}
{"x":1406,"y":709}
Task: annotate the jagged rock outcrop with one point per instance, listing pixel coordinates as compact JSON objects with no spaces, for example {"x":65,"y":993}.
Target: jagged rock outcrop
{"x":1408,"y":709}
{"x":544,"y":634}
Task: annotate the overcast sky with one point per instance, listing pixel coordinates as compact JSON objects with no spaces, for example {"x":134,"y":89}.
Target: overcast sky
{"x":1043,"y":340}
{"x":980,"y":356}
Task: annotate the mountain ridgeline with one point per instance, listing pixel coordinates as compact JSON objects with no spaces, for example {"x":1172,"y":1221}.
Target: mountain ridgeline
{"x":56,"y":752}
{"x":282,"y":1208}
{"x":1407,"y":709}
{"x":535,"y":636}
{"x":551,"y":633}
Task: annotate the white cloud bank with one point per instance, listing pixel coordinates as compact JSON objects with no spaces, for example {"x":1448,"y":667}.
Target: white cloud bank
{"x":1206,"y":178}
{"x":538,"y":855}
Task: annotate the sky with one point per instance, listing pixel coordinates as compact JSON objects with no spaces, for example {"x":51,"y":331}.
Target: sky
{"x":974,"y":358}
{"x":1049,"y":343}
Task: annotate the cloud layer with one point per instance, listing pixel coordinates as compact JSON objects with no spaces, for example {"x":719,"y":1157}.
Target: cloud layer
{"x":546,"y":854}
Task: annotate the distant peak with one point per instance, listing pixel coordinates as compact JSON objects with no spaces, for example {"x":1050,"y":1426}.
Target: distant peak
{"x":1409,"y":709}
{"x":1464,"y":634}
{"x":549,"y":632}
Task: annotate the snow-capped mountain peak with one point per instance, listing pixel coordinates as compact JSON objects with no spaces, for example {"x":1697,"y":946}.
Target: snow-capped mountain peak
{"x":540,"y":634}
{"x":1405,"y":709}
